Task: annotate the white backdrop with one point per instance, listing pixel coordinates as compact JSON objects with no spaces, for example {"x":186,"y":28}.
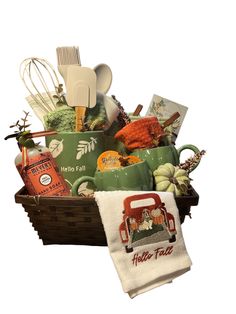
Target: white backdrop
{"x":182,"y":50}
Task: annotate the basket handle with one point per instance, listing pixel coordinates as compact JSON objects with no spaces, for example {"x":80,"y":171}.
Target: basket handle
{"x":78,"y":182}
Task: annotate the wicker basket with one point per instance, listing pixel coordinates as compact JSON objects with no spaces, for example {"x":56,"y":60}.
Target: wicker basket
{"x":76,"y":220}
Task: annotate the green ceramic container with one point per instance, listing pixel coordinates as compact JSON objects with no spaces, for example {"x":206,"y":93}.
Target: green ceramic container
{"x":136,"y":177}
{"x":160,"y":155}
{"x":76,"y":153}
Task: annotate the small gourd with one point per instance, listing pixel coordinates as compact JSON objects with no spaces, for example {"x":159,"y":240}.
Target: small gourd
{"x":171,"y":178}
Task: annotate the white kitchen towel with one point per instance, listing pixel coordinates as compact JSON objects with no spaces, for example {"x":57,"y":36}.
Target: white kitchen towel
{"x":144,"y":238}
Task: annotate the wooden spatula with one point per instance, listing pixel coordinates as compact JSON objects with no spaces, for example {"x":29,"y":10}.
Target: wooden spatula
{"x":81,"y":91}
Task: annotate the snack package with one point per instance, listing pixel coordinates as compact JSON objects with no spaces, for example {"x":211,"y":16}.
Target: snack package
{"x":110,"y":160}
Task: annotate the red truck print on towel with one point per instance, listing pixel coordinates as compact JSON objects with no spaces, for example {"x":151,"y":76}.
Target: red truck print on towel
{"x":146,"y":221}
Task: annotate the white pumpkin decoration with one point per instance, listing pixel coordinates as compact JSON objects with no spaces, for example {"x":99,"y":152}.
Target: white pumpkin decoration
{"x":171,"y":178}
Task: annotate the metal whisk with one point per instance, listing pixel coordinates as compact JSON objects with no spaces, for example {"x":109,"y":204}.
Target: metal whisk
{"x":42,"y":82}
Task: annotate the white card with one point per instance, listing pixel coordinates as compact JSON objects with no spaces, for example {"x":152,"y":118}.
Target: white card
{"x":164,"y":108}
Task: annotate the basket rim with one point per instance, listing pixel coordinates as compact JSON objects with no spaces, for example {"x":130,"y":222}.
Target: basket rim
{"x":23,"y":198}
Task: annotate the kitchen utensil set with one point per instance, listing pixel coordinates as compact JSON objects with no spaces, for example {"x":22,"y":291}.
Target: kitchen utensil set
{"x":82,"y":83}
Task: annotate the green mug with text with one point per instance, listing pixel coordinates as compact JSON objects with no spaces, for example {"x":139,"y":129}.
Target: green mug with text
{"x":76,"y":153}
{"x":136,"y":177}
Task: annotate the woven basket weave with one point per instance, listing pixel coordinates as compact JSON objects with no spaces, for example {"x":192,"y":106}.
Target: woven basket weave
{"x":76,"y":220}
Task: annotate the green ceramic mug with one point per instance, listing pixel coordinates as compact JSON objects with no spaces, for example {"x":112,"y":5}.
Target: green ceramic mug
{"x":160,"y":155}
{"x":136,"y":177}
{"x":76,"y":153}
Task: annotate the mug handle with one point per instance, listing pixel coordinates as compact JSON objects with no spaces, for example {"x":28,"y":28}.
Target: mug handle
{"x":191,"y":147}
{"x":78,"y":182}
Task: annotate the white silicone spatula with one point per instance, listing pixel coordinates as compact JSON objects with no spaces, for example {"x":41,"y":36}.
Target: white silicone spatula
{"x":81,"y":91}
